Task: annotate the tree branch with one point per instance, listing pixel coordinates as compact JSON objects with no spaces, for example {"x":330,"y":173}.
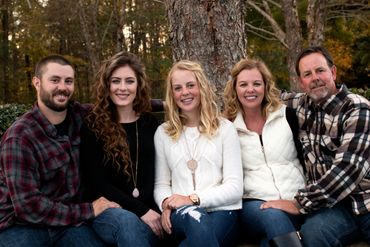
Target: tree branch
{"x":279,"y":33}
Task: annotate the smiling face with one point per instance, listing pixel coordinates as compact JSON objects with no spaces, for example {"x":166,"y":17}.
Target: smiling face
{"x":55,"y":87}
{"x":317,"y":79}
{"x":250,"y":89}
{"x":185,"y":91}
{"x":123,"y":87}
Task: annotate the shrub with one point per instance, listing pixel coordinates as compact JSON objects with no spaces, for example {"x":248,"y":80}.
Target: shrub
{"x":363,"y":92}
{"x":9,"y":113}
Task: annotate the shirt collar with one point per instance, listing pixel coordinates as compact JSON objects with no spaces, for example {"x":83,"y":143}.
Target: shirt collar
{"x":74,"y":118}
{"x":333,"y":102}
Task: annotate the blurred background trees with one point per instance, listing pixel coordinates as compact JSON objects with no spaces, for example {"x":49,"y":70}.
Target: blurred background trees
{"x":214,"y":32}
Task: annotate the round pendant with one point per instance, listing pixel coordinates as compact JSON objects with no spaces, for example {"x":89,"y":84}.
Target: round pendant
{"x":135,"y":193}
{"x":192,"y":164}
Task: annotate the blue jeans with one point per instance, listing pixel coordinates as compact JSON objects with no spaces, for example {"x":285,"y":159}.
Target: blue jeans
{"x":32,"y":236}
{"x":267,"y":223}
{"x":124,"y":228}
{"x":335,"y":226}
{"x":196,"y":227}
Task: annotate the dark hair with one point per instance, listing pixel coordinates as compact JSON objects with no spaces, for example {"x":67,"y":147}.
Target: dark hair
{"x":103,"y":118}
{"x":41,"y":64}
{"x":314,"y":49}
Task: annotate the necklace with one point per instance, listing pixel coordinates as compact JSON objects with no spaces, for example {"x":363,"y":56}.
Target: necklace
{"x":135,"y":192}
{"x":192,"y":163}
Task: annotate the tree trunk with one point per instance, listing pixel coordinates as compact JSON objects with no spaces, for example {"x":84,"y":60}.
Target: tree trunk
{"x":5,"y":50}
{"x":91,"y":36}
{"x":293,"y":37}
{"x":316,"y":17}
{"x":209,"y":31}
{"x":120,"y":15}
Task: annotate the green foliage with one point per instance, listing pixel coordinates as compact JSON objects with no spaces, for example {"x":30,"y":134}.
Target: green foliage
{"x":9,"y":113}
{"x":363,"y":92}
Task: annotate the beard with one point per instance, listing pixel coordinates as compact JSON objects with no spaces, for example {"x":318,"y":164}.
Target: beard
{"x":319,"y":95}
{"x":51,"y":103}
{"x":319,"y":92}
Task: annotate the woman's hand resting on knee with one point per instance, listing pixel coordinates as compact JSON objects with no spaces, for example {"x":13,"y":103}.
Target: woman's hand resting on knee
{"x":153,"y":220}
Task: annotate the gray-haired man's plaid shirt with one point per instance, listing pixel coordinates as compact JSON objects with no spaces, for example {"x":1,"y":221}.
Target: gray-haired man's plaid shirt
{"x":335,"y":136}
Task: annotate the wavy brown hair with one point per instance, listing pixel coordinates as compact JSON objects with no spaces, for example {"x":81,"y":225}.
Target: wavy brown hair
{"x":103,"y":119}
{"x":271,"y":100}
{"x":209,"y":113}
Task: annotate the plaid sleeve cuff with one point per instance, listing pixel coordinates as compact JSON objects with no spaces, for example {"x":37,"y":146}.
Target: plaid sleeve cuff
{"x":301,"y":209}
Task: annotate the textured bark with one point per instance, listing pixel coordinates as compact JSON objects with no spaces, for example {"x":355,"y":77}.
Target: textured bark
{"x":316,"y":16}
{"x":120,"y":14}
{"x":90,"y":34}
{"x":208,"y":31}
{"x":294,"y":38}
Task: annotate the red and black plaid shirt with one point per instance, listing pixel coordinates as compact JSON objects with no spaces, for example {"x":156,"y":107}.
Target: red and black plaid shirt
{"x":39,"y":172}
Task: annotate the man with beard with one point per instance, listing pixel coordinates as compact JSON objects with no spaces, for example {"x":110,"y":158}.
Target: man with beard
{"x":39,"y":168}
{"x":335,"y":135}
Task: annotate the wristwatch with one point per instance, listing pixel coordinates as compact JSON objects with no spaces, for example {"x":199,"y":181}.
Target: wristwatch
{"x":195,"y":199}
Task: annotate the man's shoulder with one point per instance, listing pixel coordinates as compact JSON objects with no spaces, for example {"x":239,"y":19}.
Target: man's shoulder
{"x":26,"y":117}
{"x":22,"y":125}
{"x":358,"y":100}
{"x":287,"y":95}
{"x":293,"y":99}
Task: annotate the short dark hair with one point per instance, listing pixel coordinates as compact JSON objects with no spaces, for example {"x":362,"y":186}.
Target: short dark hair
{"x":40,"y":66}
{"x":314,"y":49}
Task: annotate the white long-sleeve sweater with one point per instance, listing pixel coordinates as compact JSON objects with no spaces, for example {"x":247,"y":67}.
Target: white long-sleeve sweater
{"x":219,"y":176}
{"x":272,"y":171}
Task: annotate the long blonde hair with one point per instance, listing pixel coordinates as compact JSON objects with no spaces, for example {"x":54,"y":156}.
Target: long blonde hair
{"x":271,"y":100}
{"x":209,"y":113}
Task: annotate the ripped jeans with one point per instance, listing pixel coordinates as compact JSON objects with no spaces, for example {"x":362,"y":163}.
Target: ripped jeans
{"x":196,"y":227}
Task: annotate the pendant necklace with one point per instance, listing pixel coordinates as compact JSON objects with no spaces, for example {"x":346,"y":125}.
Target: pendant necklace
{"x":192,"y":163}
{"x":135,"y":192}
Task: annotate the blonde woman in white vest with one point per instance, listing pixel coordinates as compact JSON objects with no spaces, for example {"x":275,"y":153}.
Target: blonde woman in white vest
{"x":271,"y":167}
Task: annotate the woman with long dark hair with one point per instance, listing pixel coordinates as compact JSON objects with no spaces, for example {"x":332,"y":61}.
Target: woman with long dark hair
{"x":117,"y":153}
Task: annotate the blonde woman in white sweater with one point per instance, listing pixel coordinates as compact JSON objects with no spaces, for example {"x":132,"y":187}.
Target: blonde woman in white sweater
{"x":271,"y":168}
{"x":198,"y":182}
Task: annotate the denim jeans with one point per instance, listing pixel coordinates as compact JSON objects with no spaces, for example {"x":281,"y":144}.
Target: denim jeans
{"x":124,"y":228}
{"x":196,"y":227}
{"x":335,"y":226}
{"x":32,"y":236}
{"x":267,"y":223}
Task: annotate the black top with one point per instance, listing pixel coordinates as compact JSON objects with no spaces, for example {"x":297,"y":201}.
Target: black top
{"x":101,"y":179}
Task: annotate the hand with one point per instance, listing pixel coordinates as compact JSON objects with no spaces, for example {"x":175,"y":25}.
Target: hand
{"x":153,"y":220}
{"x":166,"y":220}
{"x":284,"y":205}
{"x":102,"y":204}
{"x":175,"y":201}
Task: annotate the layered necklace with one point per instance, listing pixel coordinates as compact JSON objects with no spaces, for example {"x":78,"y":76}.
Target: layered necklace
{"x":135,"y":192}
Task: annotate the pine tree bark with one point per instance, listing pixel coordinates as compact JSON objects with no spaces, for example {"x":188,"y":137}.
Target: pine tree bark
{"x":210,"y":32}
{"x":316,"y":18}
{"x":294,"y":39}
